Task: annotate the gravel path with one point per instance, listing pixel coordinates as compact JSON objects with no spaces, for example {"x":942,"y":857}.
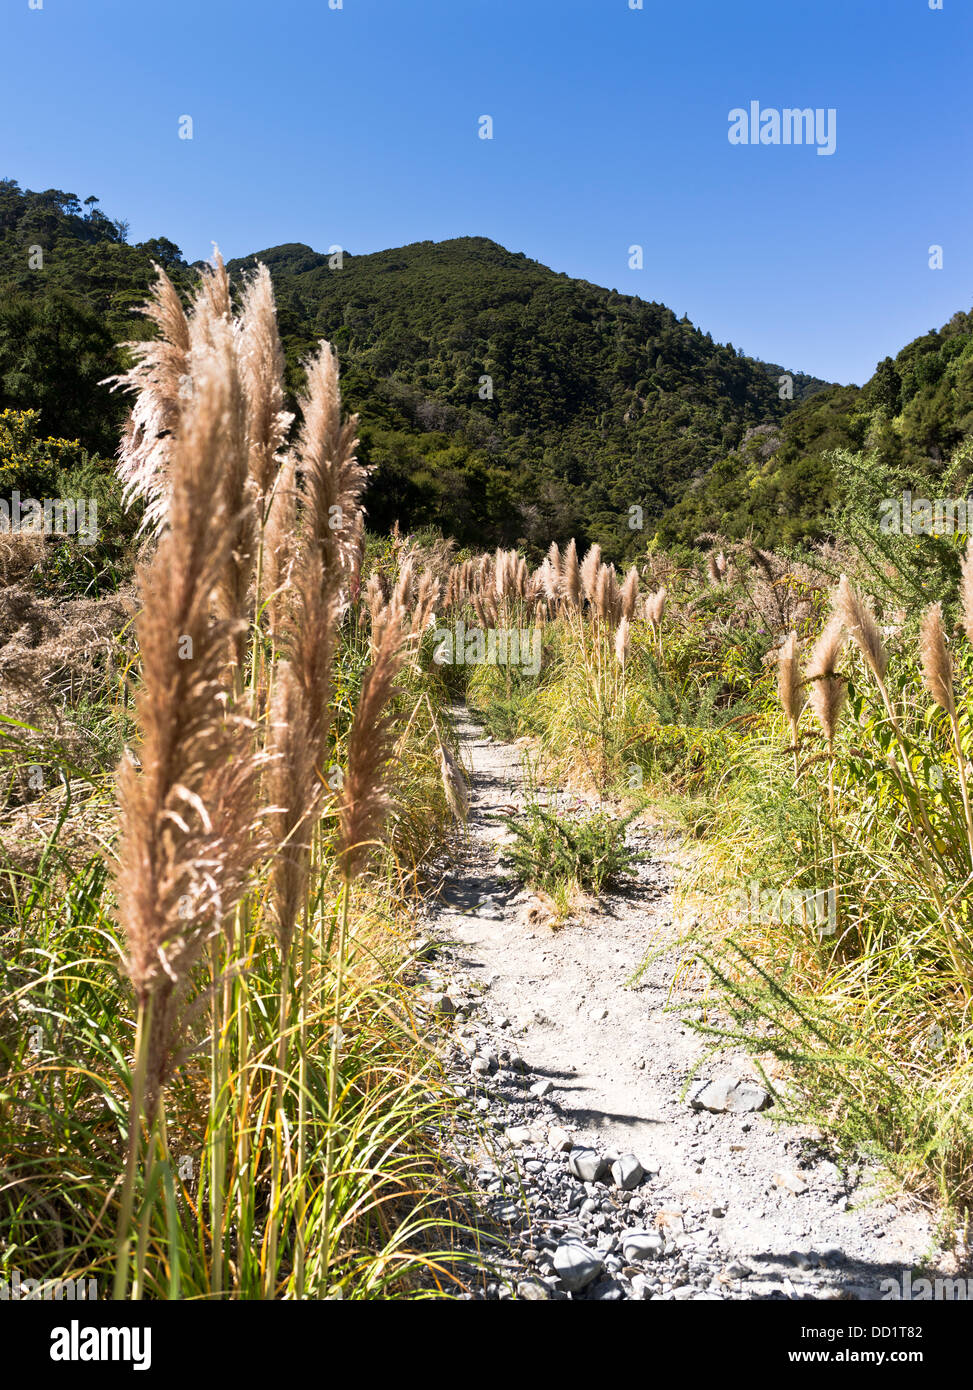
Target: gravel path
{"x":599,"y":1180}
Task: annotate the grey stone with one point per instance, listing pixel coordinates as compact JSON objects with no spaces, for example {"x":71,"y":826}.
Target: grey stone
{"x":576,"y":1265}
{"x":587,"y":1165}
{"x":518,"y":1134}
{"x":627,"y":1172}
{"x":642,"y":1245}
{"x":728,"y":1093}
{"x":542,"y":1088}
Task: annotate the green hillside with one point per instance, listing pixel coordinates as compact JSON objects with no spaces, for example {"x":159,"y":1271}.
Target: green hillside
{"x":596,"y":402}
{"x":501,"y":401}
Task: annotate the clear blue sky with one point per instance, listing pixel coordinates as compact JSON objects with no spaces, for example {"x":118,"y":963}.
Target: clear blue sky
{"x":358,"y":127}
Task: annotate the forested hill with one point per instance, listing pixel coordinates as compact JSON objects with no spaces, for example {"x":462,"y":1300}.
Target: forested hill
{"x":500,"y":400}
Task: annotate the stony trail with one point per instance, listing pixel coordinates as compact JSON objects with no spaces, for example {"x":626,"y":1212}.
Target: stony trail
{"x":571,"y":1065}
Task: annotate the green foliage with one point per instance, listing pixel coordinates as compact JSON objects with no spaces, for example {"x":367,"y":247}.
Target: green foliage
{"x":69,"y":285}
{"x":788,"y":486}
{"x":45,"y":468}
{"x":549,"y":851}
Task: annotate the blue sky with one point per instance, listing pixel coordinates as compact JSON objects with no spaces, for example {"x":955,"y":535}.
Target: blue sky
{"x":358,"y":127}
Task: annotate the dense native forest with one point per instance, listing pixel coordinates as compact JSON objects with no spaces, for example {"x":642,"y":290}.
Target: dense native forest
{"x":502,"y":402}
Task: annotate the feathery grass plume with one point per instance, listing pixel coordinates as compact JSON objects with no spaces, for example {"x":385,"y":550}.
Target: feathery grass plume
{"x":598,"y":594}
{"x":505,"y":573}
{"x":467,"y":580}
{"x":160,"y":377}
{"x":713,"y":571}
{"x":605,"y":598}
{"x":278,"y":550}
{"x":233,"y":478}
{"x":590,"y":568}
{"x":521,"y":577}
{"x":454,"y":588}
{"x":333,"y":477}
{"x":490,"y":611}
{"x":554,"y":562}
{"x":309,"y":639}
{"x":186,"y":820}
{"x":614,"y":596}
{"x":630,"y":593}
{"x":571,"y":576}
{"x":427,"y":597}
{"x":828,"y":689}
{"x":655,"y":606}
{"x":789,"y":681}
{"x":212,"y":301}
{"x":861,"y":626}
{"x":622,"y":641}
{"x":550,"y":580}
{"x":405,"y":583}
{"x":330,"y":528}
{"x":937,"y":668}
{"x":966,"y":590}
{"x":375,"y":595}
{"x":262,"y":366}
{"x":500,"y":574}
{"x":363,"y":801}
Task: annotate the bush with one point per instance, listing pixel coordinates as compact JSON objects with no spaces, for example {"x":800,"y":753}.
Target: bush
{"x":551,"y":851}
